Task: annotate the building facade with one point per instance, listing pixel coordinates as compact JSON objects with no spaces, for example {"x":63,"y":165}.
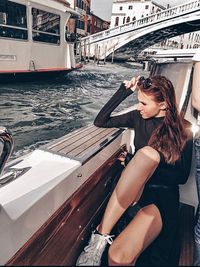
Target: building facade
{"x":98,"y":24}
{"x":127,"y":11}
{"x":81,"y":25}
{"x":87,"y":23}
{"x":184,"y":41}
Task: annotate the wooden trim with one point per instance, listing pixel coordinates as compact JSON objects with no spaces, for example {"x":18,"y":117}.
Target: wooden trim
{"x":186,"y":235}
{"x":60,"y":143}
{"x":84,"y":142}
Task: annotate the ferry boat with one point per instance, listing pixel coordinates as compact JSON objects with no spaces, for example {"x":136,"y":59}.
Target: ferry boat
{"x":53,"y":197}
{"x":34,"y":40}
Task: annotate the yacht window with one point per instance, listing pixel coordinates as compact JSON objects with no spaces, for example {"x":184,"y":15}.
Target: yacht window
{"x":13,"y":20}
{"x":46,"y":26}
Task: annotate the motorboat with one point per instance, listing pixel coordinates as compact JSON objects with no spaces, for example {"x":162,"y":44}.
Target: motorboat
{"x":53,"y":197}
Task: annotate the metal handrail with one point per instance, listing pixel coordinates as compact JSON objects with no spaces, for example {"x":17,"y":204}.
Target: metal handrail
{"x":7,"y":143}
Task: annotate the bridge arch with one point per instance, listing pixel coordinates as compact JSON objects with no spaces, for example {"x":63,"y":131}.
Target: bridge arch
{"x":150,"y":36}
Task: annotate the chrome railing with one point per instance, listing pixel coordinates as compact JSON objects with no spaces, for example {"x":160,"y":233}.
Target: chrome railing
{"x":6,"y":147}
{"x":8,"y":174}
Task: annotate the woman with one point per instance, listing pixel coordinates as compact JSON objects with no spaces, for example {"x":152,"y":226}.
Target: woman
{"x":161,"y":161}
{"x":196,"y":105}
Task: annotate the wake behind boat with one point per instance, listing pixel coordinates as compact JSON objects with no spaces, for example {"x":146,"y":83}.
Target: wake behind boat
{"x":52,"y":198}
{"x":34,"y":40}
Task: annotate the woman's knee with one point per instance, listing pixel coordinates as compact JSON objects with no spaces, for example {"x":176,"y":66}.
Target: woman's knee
{"x":118,"y":255}
{"x":150,"y":153}
{"x":154,"y":212}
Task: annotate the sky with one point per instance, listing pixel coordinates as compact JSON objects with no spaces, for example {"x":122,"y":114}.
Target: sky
{"x":103,"y":8}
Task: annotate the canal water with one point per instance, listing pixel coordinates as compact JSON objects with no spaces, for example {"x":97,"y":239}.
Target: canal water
{"x":39,"y":112}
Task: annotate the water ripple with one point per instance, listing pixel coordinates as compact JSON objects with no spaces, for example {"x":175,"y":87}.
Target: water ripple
{"x":41,"y":111}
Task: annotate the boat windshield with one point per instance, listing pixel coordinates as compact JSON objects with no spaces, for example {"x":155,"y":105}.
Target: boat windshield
{"x":180,"y":75}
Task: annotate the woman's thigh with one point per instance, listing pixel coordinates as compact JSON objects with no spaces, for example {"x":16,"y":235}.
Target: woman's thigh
{"x":139,"y":233}
{"x":161,"y":251}
{"x":138,"y":171}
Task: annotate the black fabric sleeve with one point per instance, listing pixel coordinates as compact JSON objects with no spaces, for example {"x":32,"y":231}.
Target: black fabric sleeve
{"x":104,"y":119}
{"x":178,"y":173}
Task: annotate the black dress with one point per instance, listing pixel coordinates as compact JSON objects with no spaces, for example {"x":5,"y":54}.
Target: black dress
{"x":162,"y":188}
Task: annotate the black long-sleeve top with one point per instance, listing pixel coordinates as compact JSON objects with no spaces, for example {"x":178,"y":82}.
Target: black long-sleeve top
{"x":165,"y":174}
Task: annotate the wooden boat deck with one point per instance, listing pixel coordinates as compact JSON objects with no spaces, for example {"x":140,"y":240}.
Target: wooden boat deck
{"x":83,"y":144}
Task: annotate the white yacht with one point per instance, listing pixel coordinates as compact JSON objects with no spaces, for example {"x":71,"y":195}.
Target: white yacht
{"x":34,"y":39}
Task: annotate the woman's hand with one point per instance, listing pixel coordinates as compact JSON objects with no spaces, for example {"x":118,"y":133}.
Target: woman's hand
{"x":122,"y":157}
{"x":132,"y":84}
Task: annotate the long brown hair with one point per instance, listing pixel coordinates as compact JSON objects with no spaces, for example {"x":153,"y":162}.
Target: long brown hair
{"x":170,"y":137}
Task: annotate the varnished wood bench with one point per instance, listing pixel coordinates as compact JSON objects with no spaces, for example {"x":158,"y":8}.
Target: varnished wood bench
{"x":84,"y":143}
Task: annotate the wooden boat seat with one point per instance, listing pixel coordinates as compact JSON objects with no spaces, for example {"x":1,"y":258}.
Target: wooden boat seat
{"x":84,"y":143}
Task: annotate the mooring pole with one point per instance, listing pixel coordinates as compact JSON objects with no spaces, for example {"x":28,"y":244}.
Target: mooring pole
{"x":95,"y":53}
{"x":112,"y":60}
{"x":98,"y":56}
{"x":105,"y":54}
{"x":84,"y":55}
{"x":88,"y":52}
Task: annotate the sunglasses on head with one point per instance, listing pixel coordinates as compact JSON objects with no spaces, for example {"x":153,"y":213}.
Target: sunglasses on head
{"x":146,"y":83}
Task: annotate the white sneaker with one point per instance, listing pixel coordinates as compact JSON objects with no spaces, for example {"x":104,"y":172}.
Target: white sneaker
{"x":92,"y":253}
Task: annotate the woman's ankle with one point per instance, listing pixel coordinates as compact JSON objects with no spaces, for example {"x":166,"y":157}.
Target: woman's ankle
{"x":101,"y":231}
{"x":97,"y":232}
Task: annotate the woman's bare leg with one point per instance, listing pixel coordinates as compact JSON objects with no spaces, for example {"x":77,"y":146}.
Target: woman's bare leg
{"x":129,"y":186}
{"x":138,"y":235}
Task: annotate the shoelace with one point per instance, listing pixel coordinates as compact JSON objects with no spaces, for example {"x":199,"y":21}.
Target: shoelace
{"x":106,"y":237}
{"x":95,"y":254}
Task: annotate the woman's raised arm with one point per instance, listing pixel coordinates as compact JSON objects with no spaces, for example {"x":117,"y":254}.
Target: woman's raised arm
{"x":104,"y":118}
